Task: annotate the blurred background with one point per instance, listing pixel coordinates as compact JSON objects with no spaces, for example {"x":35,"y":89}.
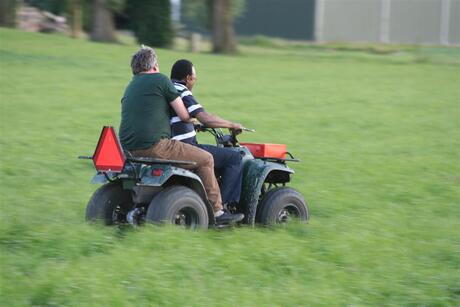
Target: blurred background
{"x":364,"y":92}
{"x":157,"y":22}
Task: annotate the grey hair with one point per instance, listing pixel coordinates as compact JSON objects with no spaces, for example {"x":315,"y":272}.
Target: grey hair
{"x":143,"y":60}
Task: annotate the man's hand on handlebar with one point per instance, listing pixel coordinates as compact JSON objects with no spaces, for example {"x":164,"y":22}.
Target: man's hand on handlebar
{"x":199,"y":127}
{"x":236,"y":128}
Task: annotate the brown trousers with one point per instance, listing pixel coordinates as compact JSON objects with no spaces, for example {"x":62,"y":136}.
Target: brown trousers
{"x":176,"y":150}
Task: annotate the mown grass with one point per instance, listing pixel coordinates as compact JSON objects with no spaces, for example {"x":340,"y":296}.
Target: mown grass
{"x":378,"y":136}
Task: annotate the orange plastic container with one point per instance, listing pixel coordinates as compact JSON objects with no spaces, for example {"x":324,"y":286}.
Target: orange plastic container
{"x":259,"y":150}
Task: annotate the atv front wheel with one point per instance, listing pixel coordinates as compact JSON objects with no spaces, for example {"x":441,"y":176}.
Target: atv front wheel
{"x":282,"y":205}
{"x":109,"y":204}
{"x":178,"y":205}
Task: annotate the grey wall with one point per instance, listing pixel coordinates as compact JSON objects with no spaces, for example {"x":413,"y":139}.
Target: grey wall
{"x":355,"y":20}
{"x":454,"y":24}
{"x":415,"y":21}
{"x":394,"y":21}
{"x":386,"y":21}
{"x":292,"y":19}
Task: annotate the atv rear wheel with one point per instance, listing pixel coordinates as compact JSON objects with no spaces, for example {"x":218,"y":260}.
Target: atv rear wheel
{"x":282,"y":205}
{"x":109,"y":204}
{"x":178,"y":205}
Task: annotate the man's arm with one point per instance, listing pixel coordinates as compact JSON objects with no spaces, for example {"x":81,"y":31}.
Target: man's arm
{"x":179,"y":107}
{"x":213,"y":121}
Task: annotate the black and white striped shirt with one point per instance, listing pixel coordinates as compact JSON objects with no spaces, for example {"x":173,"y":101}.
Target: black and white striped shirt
{"x":181,"y":131}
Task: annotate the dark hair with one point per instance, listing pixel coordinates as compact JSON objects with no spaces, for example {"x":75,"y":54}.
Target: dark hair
{"x":181,"y":69}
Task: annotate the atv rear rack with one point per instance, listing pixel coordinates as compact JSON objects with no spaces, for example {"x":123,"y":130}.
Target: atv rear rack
{"x":145,"y":160}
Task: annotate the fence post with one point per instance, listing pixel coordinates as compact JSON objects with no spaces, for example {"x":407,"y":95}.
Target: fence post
{"x":195,"y":41}
{"x":319,"y":20}
{"x":385,"y":21}
{"x":445,"y":15}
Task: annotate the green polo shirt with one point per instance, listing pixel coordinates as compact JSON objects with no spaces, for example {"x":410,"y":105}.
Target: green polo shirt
{"x":145,"y":111}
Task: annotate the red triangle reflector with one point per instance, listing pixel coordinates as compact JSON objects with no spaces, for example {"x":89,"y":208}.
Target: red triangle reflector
{"x":109,"y":156}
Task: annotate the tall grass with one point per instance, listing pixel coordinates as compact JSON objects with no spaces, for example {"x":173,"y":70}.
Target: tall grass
{"x":378,"y":136}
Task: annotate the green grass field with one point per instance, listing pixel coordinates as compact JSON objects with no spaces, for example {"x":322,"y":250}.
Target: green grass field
{"x":378,"y":136}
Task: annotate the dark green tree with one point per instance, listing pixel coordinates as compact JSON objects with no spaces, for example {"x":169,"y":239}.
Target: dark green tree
{"x":58,"y":7}
{"x":95,"y":16}
{"x":151,"y":22}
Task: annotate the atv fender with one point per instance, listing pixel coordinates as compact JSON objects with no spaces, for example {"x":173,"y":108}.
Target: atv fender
{"x":148,"y":175}
{"x":255,"y":173}
{"x":159,"y":175}
{"x":166,"y":175}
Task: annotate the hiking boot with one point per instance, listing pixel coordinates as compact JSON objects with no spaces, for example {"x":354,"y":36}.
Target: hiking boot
{"x":228,"y":218}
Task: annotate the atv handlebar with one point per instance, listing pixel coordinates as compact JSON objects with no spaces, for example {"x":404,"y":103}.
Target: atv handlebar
{"x":230,"y":140}
{"x":203,"y":128}
{"x":223,"y":140}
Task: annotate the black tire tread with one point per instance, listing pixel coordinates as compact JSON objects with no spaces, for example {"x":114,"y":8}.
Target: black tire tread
{"x":165,"y":204}
{"x":265,"y":198}
{"x":103,"y":201}
{"x":272,"y":199}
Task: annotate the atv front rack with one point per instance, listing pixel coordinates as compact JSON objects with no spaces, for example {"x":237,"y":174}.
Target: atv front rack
{"x":281,"y":160}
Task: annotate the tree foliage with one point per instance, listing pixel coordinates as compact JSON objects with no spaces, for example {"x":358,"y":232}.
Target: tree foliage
{"x":151,"y":21}
{"x":199,"y":12}
{"x":116,"y":6}
{"x":82,"y":10}
{"x":58,"y":7}
{"x":216,"y":16}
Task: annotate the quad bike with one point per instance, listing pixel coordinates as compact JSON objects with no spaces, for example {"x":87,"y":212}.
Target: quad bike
{"x":137,"y":190}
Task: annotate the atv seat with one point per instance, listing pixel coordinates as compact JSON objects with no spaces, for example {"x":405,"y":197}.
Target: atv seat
{"x":147,"y":160}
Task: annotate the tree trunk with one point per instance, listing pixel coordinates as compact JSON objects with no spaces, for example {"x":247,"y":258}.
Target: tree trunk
{"x":76,"y":18}
{"x":102,"y":24}
{"x":8,"y":11}
{"x":223,"y":35}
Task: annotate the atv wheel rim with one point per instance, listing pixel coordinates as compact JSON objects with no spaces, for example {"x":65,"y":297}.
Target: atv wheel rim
{"x":117,"y":215}
{"x":287,"y":214}
{"x":186,"y":217}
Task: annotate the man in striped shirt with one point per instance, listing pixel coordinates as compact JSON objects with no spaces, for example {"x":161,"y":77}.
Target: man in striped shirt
{"x":227,"y":162}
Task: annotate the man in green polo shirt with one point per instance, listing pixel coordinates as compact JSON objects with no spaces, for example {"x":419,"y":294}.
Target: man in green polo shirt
{"x":145,"y":130}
